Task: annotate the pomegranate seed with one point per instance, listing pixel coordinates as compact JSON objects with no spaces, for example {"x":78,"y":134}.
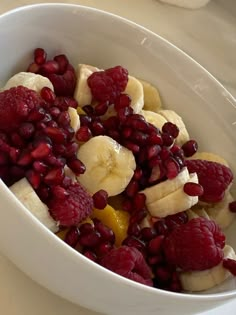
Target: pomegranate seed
{"x":26,"y":130}
{"x":167,"y":139}
{"x":17,"y":172}
{"x":25,"y":159}
{"x":90,"y":255}
{"x":54,"y":176}
{"x":91,"y":239}
{"x":40,"y":56}
{"x":48,"y":95}
{"x":3,"y":159}
{"x":132,"y":188}
{"x":83,"y":134}
{"x":126,"y":132}
{"x":132,"y":146}
{"x":138,"y":216}
{"x":134,"y":229}
{"x":42,"y":150}
{"x":55,"y":134}
{"x":40,"y":167}
{"x":156,"y":174}
{"x":85,"y":120}
{"x":76,"y":166}
{"x":161,"y":227}
{"x":154,"y":138}
{"x":137,"y":122}
{"x":55,"y":162}
{"x":190,"y":147}
{"x":171,"y":129}
{"x":154,"y":260}
{"x":72,"y":236}
{"x":60,"y":192}
{"x":86,"y":228}
{"x":155,"y":245}
{"x":148,"y":233}
{"x":100,"y":199}
{"x":172,"y":167}
{"x":132,"y":241}
{"x":123,"y":113}
{"x":106,"y":233}
{"x":97,"y":128}
{"x":34,"y":178}
{"x":17,"y":140}
{"x":139,"y":201}
{"x":49,"y":67}
{"x":193,"y":189}
{"x":230,"y":264}
{"x":137,"y":174}
{"x":232,"y":206}
{"x":103,"y":248}
{"x":37,"y":114}
{"x":114,"y":134}
{"x":153,"y":151}
{"x":64,"y":119}
{"x":175,"y":149}
{"x":122,"y":101}
{"x":88,"y":109}
{"x":139,"y":137}
{"x":47,"y":118}
{"x":14,"y":154}
{"x":155,"y":161}
{"x":33,"y":68}
{"x":165,"y":154}
{"x":127,"y":205}
{"x":63,"y":62}
{"x":54,"y":111}
{"x":163,"y":273}
{"x":101,"y":108}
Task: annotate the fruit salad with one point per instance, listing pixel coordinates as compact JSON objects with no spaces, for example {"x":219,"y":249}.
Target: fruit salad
{"x":98,"y":159}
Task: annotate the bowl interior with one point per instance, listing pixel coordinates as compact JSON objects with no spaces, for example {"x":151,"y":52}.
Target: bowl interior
{"x":93,"y":37}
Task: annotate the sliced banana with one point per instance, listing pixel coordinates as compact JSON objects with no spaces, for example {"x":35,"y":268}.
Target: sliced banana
{"x":201,"y":213}
{"x":161,"y":190}
{"x":82,"y":92}
{"x":209,"y":157}
{"x":173,"y":117}
{"x":152,"y":100}
{"x":135,"y":90}
{"x":74,"y":118}
{"x":220,"y":212}
{"x":30,"y":80}
{"x":109,"y":165}
{"x":174,"y":202}
{"x":191,"y":214}
{"x":203,"y":280}
{"x":155,"y":119}
{"x":27,"y":196}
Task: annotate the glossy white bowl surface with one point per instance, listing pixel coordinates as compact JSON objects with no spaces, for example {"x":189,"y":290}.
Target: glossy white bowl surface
{"x":94,"y":37}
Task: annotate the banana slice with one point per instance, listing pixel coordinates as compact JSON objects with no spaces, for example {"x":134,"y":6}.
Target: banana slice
{"x":201,"y":213}
{"x":220,"y":212}
{"x":82,"y":92}
{"x":173,"y":117}
{"x":209,"y":157}
{"x":152,"y":100}
{"x":135,"y":90}
{"x":161,"y":190}
{"x":109,"y":165}
{"x":191,"y":214}
{"x":30,"y":80}
{"x":203,"y":280}
{"x":174,"y":202}
{"x":74,"y":118}
{"x":155,"y":119}
{"x":27,"y":196}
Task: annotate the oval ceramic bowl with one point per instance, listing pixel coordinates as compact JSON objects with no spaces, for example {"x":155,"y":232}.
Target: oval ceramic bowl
{"x":94,"y":37}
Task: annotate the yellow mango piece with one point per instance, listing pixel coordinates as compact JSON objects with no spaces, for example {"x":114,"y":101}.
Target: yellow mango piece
{"x":117,"y":220}
{"x":80,"y":111}
{"x":62,"y":234}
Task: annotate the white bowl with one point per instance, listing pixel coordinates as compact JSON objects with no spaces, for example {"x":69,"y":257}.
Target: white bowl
{"x":91,"y":36}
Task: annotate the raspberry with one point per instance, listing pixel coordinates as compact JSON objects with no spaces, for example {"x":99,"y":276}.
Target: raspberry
{"x":107,"y":85}
{"x":196,"y":245}
{"x":128,"y":262}
{"x":15,"y":105}
{"x":73,"y":207}
{"x":214,"y":178}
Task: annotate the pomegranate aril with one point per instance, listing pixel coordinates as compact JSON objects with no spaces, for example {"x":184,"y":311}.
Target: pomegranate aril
{"x":137,"y":123}
{"x":42,"y":150}
{"x":24,"y":159}
{"x":156,"y":259}
{"x":63,"y":62}
{"x":148,"y":233}
{"x":172,"y":168}
{"x":26,"y":130}
{"x":48,"y":95}
{"x":137,"y":174}
{"x":154,"y":138}
{"x":91,"y":239}
{"x":47,"y":118}
{"x":100,"y":199}
{"x":167,"y":139}
{"x":59,"y":149}
{"x":40,"y":167}
{"x":165,"y":153}
{"x":139,"y":137}
{"x":34,"y":178}
{"x":155,"y":245}
{"x":103,"y":248}
{"x":86,"y":228}
{"x":123,"y":113}
{"x":135,"y":148}
{"x":59,"y":192}
{"x":190,"y":147}
{"x":90,"y":255}
{"x":17,"y":141}
{"x":55,"y":134}
{"x":171,"y":129}
{"x":85,"y":120}
{"x":193,"y":189}
{"x":163,"y":273}
{"x":134,"y":229}
{"x":153,"y":151}
{"x":139,"y":201}
{"x":122,"y":101}
{"x":14,"y":154}
{"x":72,"y":236}
{"x":76,"y":166}
{"x":88,"y":109}
{"x":126,"y":132}
{"x":54,"y":161}
{"x":101,"y":108}
{"x":49,"y":67}
{"x":97,"y":128}
{"x":54,"y":111}
{"x":230,"y":264}
{"x":40,"y":56}
{"x":132,"y":188}
{"x":232,"y":206}
{"x":69,"y":132}
{"x":114,"y":134}
{"x":127,"y":205}
{"x":3,"y":158}
{"x":37,"y":114}
{"x":161,"y":227}
{"x":54,"y":176}
{"x":133,"y":241}
{"x":16,"y":172}
{"x":105,"y":232}
{"x":83,"y":134}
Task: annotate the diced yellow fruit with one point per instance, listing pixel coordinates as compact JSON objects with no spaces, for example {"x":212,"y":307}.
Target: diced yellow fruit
{"x":62,"y":234}
{"x":80,"y":111}
{"x":117,"y":220}
{"x":152,"y":100}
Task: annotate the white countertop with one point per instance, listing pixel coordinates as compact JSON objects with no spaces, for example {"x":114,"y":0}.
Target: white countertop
{"x":208,"y":35}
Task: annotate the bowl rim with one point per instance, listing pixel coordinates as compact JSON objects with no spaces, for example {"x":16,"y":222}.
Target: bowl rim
{"x":62,"y":245}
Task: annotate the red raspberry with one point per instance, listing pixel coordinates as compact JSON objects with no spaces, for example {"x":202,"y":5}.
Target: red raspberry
{"x":128,"y":262}
{"x":196,"y":245}
{"x":73,"y":207}
{"x":107,"y":85}
{"x":214,"y":178}
{"x":15,"y":105}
